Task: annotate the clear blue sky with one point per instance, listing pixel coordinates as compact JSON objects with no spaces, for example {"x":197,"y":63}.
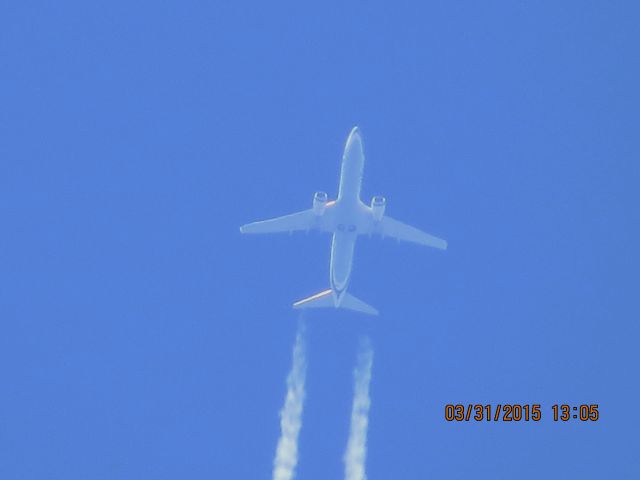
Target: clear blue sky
{"x":141,"y":336}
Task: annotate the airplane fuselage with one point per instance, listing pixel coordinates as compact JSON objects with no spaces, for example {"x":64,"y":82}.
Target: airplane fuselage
{"x":349,"y":209}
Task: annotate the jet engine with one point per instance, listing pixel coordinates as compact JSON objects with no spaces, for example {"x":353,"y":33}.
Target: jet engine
{"x":319,"y":203}
{"x":378,"y":204}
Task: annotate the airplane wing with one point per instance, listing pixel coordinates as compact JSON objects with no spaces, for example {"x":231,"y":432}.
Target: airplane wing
{"x":388,"y":227}
{"x":305,"y":220}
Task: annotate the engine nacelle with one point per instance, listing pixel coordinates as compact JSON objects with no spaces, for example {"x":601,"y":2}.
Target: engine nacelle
{"x":319,"y":203}
{"x":378,"y":204}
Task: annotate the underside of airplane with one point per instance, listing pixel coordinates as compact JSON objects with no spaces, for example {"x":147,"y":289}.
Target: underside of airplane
{"x":345,"y":218}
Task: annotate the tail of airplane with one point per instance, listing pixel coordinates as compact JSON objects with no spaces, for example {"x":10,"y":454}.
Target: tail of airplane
{"x":325,"y":299}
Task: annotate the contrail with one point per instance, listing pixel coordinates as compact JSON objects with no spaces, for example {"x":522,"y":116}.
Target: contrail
{"x":284,"y":463}
{"x":356,"y":452}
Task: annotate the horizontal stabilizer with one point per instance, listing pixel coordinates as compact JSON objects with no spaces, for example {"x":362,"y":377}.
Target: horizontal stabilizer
{"x":353,"y":303}
{"x":325,"y":299}
{"x":319,"y":300}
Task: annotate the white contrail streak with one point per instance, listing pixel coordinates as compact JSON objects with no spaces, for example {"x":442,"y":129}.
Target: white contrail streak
{"x":284,"y":463}
{"x":356,"y":452}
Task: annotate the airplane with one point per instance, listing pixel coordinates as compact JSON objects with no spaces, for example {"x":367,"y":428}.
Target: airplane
{"x":345,"y":218}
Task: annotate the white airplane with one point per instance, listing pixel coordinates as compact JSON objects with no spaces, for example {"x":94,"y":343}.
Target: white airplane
{"x":345,"y":218}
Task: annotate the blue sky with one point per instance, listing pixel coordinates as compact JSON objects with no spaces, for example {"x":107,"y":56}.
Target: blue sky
{"x":143,"y":337}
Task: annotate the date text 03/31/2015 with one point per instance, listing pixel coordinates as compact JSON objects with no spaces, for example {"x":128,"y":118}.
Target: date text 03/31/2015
{"x":514,"y":412}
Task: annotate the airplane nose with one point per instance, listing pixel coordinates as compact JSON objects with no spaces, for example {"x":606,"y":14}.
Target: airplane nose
{"x":355,"y":134}
{"x":354,"y":142}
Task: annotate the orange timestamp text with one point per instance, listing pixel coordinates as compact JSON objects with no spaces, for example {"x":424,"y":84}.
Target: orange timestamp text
{"x":515,"y":412}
